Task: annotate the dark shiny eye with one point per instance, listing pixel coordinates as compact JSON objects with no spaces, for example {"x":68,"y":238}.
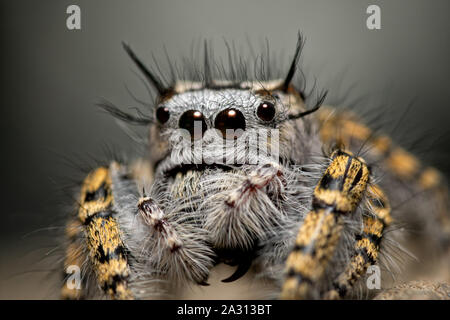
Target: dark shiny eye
{"x":266,"y":111}
{"x":194,"y":122}
{"x":231,"y":119}
{"x":162,"y":114}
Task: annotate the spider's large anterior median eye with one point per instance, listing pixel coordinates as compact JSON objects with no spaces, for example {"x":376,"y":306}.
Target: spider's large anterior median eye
{"x":231,"y":119}
{"x":194,"y":122}
{"x":162,"y":114}
{"x":266,"y":111}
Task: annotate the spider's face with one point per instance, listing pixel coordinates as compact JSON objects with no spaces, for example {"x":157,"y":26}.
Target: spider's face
{"x":208,"y":130}
{"x":216,"y":151}
{"x":217,"y":142}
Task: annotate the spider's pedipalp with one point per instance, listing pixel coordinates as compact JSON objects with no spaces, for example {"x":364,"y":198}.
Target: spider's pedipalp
{"x":244,"y":211}
{"x":256,"y":180}
{"x":179,"y":251}
{"x":154,"y":217}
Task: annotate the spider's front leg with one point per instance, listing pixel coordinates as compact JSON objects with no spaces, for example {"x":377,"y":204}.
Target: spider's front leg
{"x":338,"y":193}
{"x":106,"y":249}
{"x":367,"y":246}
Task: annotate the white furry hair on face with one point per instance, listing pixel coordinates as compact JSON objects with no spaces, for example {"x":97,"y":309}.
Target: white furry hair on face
{"x":230,"y":198}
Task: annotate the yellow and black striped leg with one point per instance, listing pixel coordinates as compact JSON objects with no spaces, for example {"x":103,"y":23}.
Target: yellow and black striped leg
{"x":367,"y":245}
{"x":344,"y":128}
{"x":106,"y":249}
{"x":337,"y":194}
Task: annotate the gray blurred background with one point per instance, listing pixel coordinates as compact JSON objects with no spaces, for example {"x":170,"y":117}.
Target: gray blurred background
{"x":52,"y":77}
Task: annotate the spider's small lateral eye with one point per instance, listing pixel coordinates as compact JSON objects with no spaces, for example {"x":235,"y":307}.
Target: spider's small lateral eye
{"x":194,"y":122}
{"x":162,"y":114}
{"x":230,"y":119}
{"x":266,"y":111}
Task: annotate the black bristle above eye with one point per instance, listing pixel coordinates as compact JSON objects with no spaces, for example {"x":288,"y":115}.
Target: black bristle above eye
{"x":207,"y":69}
{"x":316,"y":107}
{"x":153,"y":79}
{"x":294,"y":63}
{"x":121,"y":115}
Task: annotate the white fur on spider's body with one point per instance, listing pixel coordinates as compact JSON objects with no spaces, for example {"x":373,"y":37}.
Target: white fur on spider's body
{"x":198,"y":219}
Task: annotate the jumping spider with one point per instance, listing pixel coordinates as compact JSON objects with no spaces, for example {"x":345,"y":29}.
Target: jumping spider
{"x":308,"y":221}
